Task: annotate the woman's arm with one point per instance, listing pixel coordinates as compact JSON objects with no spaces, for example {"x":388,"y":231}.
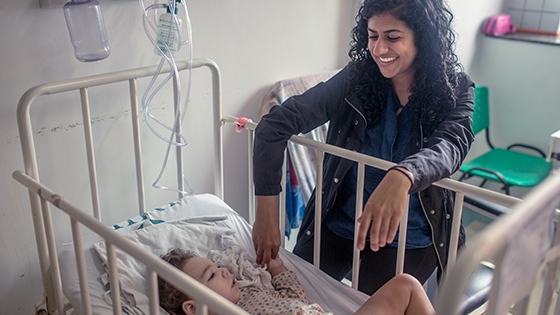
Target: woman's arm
{"x":447,"y":147}
{"x":383,"y":211}
{"x":266,"y":230}
{"x":298,"y":114}
{"x":442,"y":155}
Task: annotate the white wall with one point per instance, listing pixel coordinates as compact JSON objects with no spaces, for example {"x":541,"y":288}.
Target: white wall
{"x":522,"y":78}
{"x":255,"y":43}
{"x":523,"y":83}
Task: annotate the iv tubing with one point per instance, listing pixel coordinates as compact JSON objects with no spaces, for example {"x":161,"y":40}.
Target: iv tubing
{"x":147,"y":97}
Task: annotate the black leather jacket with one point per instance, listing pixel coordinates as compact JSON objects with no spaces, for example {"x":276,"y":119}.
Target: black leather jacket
{"x":437,"y":155}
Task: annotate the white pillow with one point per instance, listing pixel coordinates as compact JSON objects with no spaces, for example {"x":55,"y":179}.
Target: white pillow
{"x":188,"y":207}
{"x":199,"y":235}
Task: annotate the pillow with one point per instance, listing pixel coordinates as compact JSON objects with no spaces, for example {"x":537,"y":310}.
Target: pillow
{"x":198,"y":234}
{"x":187,"y":207}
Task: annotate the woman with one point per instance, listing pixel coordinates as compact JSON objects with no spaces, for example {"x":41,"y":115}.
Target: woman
{"x":402,"y":98}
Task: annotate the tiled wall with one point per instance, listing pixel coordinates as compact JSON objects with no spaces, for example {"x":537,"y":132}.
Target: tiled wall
{"x":536,"y":15}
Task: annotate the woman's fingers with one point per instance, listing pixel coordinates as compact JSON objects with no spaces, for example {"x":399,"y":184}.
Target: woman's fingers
{"x":266,"y":241}
{"x":383,"y":211}
{"x":265,"y":253}
{"x":393,"y":228}
{"x":374,"y":233}
{"x":363,"y":227}
{"x":382,"y":237}
{"x":266,"y":232}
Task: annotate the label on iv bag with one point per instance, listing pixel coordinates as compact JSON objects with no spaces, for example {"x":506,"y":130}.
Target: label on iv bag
{"x":168,"y":34}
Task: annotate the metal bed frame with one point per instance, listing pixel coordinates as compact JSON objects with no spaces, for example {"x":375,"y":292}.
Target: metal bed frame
{"x":41,"y":197}
{"x":525,"y":248}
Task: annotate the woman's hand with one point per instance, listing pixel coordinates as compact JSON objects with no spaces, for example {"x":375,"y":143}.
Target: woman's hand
{"x":266,"y":232}
{"x":383,"y":210}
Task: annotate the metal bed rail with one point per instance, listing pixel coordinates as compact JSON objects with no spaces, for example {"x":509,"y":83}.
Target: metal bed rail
{"x":461,"y":189}
{"x":44,"y":231}
{"x":524,"y":245}
{"x":155,"y":266}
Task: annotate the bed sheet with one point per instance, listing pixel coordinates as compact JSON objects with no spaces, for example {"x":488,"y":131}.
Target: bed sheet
{"x":187,"y":223}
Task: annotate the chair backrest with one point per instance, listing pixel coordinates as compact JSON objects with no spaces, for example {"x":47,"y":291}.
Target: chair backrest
{"x":481,"y":117}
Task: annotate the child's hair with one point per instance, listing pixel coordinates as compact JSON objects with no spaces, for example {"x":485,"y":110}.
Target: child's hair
{"x":170,"y":298}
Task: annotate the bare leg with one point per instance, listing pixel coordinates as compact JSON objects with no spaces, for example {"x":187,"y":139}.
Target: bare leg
{"x":402,"y":295}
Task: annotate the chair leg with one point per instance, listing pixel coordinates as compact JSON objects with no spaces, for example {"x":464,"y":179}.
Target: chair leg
{"x":505,"y":188}
{"x":498,"y":175}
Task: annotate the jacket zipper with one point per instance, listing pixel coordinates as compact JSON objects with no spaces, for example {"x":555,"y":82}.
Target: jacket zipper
{"x":327,"y":202}
{"x":424,"y":209}
{"x":354,"y":107}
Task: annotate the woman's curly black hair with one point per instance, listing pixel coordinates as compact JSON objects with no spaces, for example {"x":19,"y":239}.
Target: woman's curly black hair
{"x":437,"y":66}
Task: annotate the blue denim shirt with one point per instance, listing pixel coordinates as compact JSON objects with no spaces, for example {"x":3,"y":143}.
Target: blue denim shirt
{"x":390,"y":140}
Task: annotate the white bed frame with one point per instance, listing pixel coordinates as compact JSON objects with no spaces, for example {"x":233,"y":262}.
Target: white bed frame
{"x":41,"y":197}
{"x":524,"y":245}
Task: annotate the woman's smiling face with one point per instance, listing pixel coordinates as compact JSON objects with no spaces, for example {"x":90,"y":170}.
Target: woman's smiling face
{"x":391,"y":45}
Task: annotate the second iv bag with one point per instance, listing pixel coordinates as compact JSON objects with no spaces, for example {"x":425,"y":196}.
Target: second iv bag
{"x":87,"y":30}
{"x":168,"y":32}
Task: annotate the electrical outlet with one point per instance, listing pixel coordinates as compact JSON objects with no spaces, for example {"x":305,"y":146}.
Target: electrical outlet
{"x":52,"y":3}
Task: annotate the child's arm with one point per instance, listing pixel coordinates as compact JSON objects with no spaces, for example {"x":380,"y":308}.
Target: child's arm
{"x":285,"y":281}
{"x":276,"y":266}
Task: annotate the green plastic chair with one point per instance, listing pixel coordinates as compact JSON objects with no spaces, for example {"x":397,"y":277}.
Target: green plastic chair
{"x":510,"y":168}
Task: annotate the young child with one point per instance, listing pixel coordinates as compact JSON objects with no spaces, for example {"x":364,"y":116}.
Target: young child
{"x":401,"y":295}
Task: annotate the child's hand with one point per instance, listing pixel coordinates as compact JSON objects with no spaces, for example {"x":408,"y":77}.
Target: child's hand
{"x":276,"y":266}
{"x":276,"y":262}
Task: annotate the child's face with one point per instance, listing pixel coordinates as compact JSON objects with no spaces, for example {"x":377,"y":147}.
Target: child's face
{"x":217,"y":279}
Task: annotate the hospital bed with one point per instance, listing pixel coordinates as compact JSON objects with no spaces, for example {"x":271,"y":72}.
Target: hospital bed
{"x":81,"y":274}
